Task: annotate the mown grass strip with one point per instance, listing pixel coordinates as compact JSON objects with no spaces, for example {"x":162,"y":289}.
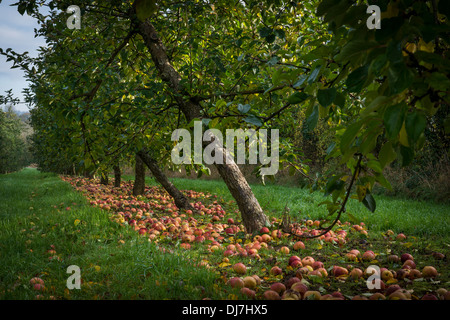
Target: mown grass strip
{"x":45,"y":226}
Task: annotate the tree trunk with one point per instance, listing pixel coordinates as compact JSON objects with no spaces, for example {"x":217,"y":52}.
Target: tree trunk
{"x":88,"y":175}
{"x":180,"y":199}
{"x":139,"y":178}
{"x":252,"y":214}
{"x":117,"y":176}
{"x":104,"y":179}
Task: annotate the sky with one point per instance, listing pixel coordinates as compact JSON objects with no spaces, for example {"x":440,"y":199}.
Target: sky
{"x":17,"y":33}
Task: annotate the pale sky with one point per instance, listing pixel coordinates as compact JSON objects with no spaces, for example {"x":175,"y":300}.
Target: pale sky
{"x":17,"y":33}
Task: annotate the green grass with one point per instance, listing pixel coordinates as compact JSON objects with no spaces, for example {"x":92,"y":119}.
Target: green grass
{"x":424,"y":218}
{"x":117,"y":263}
{"x":84,"y":236}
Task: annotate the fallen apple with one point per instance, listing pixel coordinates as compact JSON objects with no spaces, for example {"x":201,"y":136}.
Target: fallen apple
{"x":248,"y":292}
{"x":312,"y":295}
{"x":275,"y":270}
{"x":356,"y":273}
{"x":284,"y":250}
{"x":236,"y":282}
{"x":240,"y":268}
{"x":429,"y":272}
{"x":406,"y":256}
{"x":249,"y":282}
{"x":271,"y":295}
{"x":299,"y":245}
{"x":278,"y":287}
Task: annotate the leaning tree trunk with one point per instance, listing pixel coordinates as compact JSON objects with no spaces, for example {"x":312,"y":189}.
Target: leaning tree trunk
{"x":139,"y":180}
{"x":180,"y":199}
{"x":104,"y":179}
{"x":117,"y":176}
{"x":252,"y":214}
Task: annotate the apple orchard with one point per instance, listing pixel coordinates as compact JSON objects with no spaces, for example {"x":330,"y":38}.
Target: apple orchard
{"x":272,"y":264}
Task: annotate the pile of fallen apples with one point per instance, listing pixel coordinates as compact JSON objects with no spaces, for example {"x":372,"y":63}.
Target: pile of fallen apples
{"x":154,"y":215}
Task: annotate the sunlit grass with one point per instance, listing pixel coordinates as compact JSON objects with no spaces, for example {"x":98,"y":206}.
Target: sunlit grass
{"x":115,"y":262}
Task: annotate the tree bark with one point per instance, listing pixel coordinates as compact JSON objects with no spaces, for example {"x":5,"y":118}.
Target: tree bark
{"x":180,"y":199}
{"x":117,"y":176}
{"x":104,"y":179}
{"x":252,"y":214}
{"x":139,"y":177}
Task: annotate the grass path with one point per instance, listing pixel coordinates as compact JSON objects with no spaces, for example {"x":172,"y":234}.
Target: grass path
{"x":45,"y":226}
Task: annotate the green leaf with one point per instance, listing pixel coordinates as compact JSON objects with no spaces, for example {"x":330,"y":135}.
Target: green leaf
{"x":334,"y":183}
{"x":375,"y":166}
{"x":400,"y":77}
{"x":254,"y":120}
{"x":313,"y":76}
{"x":276,"y":77}
{"x":325,"y":5}
{"x":145,"y":9}
{"x":387,"y":154}
{"x":300,"y":80}
{"x":394,"y":52}
{"x":326,"y":96}
{"x":407,"y":155}
{"x":355,"y":48}
{"x":355,"y":80}
{"x":244,"y":108}
{"x":393,"y":119}
{"x":370,"y":141}
{"x":415,"y":124}
{"x":264,"y":32}
{"x":439,"y":81}
{"x":369,"y":202}
{"x":297,"y":97}
{"x":349,"y":135}
{"x":312,"y":119}
{"x":383,"y":181}
{"x":377,"y":64}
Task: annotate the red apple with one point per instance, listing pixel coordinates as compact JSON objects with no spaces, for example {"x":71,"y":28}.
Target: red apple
{"x":406,"y":256}
{"x":308,"y":261}
{"x":339,"y":271}
{"x":317,"y":265}
{"x":271,"y":295}
{"x":284,"y":250}
{"x":36,"y":280}
{"x":299,"y":287}
{"x":240,"y":268}
{"x":356,"y":273}
{"x":409,"y":264}
{"x":292,"y":259}
{"x":291,"y":281}
{"x":368,"y":255}
{"x":401,"y":236}
{"x":299,"y":245}
{"x":391,"y":289}
{"x":248,"y":292}
{"x":278,"y":287}
{"x":275,"y":270}
{"x":264,"y":230}
{"x":236,"y":282}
